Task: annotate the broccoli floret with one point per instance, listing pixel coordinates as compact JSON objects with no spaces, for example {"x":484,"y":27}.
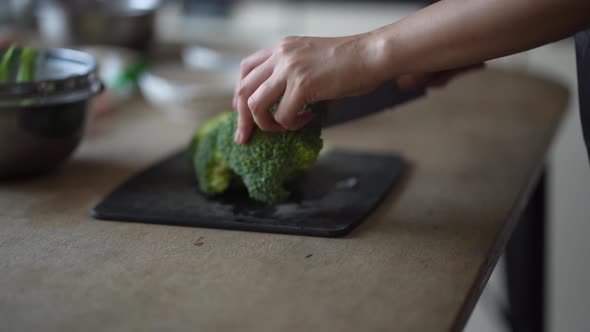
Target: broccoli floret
{"x":206,"y":128}
{"x":264,"y":165}
{"x":213,"y":173}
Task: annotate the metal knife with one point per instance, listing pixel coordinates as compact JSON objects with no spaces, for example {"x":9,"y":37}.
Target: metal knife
{"x":386,"y":96}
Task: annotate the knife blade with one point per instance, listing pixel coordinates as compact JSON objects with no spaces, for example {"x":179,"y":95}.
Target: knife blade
{"x":386,"y":96}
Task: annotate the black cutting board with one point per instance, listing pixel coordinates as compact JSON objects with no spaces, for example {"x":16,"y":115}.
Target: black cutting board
{"x":338,"y":193}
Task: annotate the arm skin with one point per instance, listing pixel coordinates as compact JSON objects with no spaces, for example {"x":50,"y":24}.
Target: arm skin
{"x":447,"y":35}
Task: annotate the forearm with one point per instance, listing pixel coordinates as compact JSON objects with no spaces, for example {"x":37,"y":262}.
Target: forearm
{"x":456,"y":33}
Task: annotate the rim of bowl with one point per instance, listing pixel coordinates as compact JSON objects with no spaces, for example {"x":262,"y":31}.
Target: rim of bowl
{"x":59,"y":90}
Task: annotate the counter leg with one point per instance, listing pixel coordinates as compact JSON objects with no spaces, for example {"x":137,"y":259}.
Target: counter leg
{"x":525,"y":266}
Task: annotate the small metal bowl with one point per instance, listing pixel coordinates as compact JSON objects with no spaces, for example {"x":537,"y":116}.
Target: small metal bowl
{"x":125,"y":23}
{"x":42,"y":122}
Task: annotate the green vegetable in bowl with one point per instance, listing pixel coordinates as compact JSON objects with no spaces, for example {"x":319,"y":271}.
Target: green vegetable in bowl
{"x":264,"y":166}
{"x":26,"y":70}
{"x":5,"y":64}
{"x":26,"y":65}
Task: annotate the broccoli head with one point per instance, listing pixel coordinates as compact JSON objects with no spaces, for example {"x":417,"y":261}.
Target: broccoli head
{"x":264,"y":165}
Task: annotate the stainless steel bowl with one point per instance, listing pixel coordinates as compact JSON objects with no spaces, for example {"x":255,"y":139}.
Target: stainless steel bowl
{"x":125,"y":23}
{"x":42,"y":122}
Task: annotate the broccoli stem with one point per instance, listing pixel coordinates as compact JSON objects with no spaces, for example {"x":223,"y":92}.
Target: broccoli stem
{"x":26,"y":70}
{"x":5,"y":64}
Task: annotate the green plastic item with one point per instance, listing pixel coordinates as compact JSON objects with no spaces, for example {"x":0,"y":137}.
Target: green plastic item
{"x":130,"y":75}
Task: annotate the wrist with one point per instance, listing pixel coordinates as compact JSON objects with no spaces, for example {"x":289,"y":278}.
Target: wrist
{"x":383,"y":57}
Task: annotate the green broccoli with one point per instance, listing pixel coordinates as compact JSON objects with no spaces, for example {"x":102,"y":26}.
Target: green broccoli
{"x":264,"y":165}
{"x":213,"y":173}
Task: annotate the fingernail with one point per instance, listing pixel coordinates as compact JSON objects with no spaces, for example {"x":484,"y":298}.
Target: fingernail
{"x":238,"y":137}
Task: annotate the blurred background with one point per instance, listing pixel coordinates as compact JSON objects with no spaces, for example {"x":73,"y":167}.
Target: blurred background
{"x":183,"y":56}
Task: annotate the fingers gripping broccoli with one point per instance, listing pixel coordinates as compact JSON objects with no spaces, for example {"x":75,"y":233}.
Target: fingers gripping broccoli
{"x":264,"y":165}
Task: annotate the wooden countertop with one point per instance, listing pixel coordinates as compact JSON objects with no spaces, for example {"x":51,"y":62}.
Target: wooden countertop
{"x":418,"y":263}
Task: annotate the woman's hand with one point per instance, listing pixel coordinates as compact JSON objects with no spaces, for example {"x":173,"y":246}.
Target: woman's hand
{"x":301,"y":70}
